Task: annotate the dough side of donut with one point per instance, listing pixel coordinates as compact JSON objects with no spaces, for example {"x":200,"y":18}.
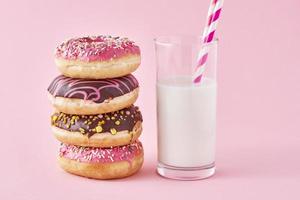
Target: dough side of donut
{"x":112,"y":170}
{"x":99,"y":139}
{"x":87,"y":107}
{"x":99,"y":69}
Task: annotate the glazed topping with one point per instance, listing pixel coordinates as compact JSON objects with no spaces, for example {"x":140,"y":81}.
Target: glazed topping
{"x":96,"y":48}
{"x":89,"y":125}
{"x":96,"y":90}
{"x":101,"y":155}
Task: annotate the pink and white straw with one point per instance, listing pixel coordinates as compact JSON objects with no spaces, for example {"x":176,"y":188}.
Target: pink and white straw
{"x":213,"y":16}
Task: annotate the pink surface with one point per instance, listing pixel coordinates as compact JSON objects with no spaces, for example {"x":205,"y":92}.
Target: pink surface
{"x":258,"y":105}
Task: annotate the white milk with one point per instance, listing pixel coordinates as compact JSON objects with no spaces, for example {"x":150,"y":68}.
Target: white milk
{"x":186,"y":117}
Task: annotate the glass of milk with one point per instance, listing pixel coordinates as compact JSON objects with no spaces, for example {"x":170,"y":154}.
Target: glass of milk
{"x":186,"y":113}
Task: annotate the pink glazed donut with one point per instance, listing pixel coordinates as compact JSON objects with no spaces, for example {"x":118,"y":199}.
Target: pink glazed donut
{"x":102,"y":163}
{"x":97,"y":57}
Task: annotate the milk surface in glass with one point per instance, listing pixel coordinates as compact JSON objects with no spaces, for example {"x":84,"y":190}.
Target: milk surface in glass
{"x":186,"y":115}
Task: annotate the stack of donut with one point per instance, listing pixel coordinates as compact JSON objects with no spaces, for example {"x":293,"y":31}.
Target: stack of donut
{"x":94,"y":118}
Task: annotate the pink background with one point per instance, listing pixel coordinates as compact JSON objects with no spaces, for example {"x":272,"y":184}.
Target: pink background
{"x":258,"y":106}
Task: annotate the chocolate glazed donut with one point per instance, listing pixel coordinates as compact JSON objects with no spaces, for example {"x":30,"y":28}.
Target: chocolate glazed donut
{"x":104,"y":130}
{"x":90,"y":96}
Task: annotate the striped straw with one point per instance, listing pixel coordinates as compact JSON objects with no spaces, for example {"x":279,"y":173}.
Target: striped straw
{"x":213,"y":15}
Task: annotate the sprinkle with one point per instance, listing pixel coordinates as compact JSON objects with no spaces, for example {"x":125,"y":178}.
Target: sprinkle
{"x":127,"y":112}
{"x":81,"y":130}
{"x":101,"y":122}
{"x":54,"y":118}
{"x":117,"y":122}
{"x":99,"y":129}
{"x":113,"y":131}
{"x":60,"y":116}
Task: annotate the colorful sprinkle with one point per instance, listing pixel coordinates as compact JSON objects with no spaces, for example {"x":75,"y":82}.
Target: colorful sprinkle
{"x":113,"y":131}
{"x":99,"y":129}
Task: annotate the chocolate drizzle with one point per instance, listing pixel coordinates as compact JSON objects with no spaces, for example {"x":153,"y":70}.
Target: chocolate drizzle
{"x":91,"y":89}
{"x":89,"y":125}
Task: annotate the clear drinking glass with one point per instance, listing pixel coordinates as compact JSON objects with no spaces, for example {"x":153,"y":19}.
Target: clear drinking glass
{"x":186,"y":113}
